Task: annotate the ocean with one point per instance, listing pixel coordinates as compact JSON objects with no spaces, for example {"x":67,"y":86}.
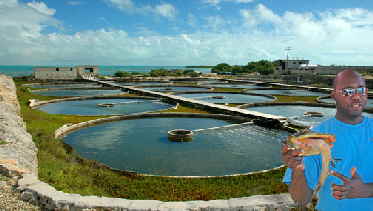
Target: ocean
{"x":25,"y":70}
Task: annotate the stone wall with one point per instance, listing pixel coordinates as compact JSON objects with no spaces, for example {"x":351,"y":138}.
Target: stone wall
{"x":17,"y":150}
{"x":56,"y":73}
{"x":65,"y":73}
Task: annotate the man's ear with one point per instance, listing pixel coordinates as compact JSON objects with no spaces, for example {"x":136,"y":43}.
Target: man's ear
{"x":332,"y":94}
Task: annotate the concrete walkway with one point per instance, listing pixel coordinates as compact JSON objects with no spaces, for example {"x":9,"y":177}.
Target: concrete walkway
{"x":198,"y":103}
{"x":311,"y":88}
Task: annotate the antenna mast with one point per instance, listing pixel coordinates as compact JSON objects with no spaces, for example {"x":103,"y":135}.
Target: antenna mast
{"x":287,"y":49}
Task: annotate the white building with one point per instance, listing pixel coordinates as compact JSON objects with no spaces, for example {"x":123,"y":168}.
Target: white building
{"x":301,"y":66}
{"x":287,"y":66}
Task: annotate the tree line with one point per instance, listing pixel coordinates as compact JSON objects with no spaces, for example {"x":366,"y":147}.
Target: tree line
{"x":159,"y":73}
{"x":263,"y":67}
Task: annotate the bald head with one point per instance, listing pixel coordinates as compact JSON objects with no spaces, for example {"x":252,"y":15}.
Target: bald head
{"x":345,"y":77}
{"x":349,"y":107}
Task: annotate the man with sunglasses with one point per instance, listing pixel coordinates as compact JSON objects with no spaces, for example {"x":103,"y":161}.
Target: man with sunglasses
{"x":350,"y":187}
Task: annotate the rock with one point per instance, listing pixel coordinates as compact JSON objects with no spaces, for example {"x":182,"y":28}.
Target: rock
{"x":3,"y":183}
{"x":20,"y":149}
{"x":29,"y":196}
{"x":32,"y":102}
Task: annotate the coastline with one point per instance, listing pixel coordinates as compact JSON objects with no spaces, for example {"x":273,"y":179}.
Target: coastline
{"x":107,"y":70}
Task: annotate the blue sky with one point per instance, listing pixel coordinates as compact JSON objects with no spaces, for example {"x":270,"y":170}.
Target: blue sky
{"x":181,"y":32}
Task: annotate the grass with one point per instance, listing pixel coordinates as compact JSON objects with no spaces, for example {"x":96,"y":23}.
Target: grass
{"x":221,"y":89}
{"x":234,"y":104}
{"x":60,"y":166}
{"x":291,"y":99}
{"x":3,"y":178}
{"x":3,"y":142}
{"x":181,"y":108}
{"x":186,"y":83}
{"x":321,"y":85}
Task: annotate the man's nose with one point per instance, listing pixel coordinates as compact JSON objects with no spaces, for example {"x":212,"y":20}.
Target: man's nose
{"x":356,"y":96}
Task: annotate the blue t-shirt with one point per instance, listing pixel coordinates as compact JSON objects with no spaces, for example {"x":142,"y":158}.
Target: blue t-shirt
{"x":354,"y":146}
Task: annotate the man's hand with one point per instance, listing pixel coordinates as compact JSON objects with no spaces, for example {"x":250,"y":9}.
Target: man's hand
{"x":291,"y":158}
{"x":351,"y":188}
{"x":298,"y":188}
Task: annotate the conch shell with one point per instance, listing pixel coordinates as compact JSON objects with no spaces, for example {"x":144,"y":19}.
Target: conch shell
{"x":315,"y":144}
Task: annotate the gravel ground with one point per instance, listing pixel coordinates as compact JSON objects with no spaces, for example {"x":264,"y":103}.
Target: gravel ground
{"x":10,"y":198}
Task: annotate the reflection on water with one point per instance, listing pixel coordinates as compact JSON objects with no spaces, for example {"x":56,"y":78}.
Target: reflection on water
{"x":289,"y":92}
{"x":331,"y":100}
{"x":227,"y":98}
{"x":126,"y":145}
{"x":90,"y":107}
{"x":86,"y":92}
{"x":328,"y":100}
{"x":208,"y":82}
{"x":296,"y":113}
{"x":142,"y":83}
{"x":174,"y":89}
{"x":71,"y":85}
{"x":232,"y":85}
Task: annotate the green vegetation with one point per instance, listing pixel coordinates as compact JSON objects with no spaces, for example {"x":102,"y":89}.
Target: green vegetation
{"x":263,"y":67}
{"x":233,"y":104}
{"x":292,"y":99}
{"x":61,"y":167}
{"x":25,"y":92}
{"x":185,"y":83}
{"x":127,"y":74}
{"x":3,"y":142}
{"x":199,"y":66}
{"x":3,"y":178}
{"x":222,"y":68}
{"x":181,"y":108}
{"x":164,"y":72}
{"x":223,"y":89}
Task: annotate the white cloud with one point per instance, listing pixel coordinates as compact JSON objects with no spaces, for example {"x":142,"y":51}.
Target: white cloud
{"x":41,"y":7}
{"x":216,"y":2}
{"x":8,"y":3}
{"x":267,"y":14}
{"x":213,"y":2}
{"x":259,"y":15}
{"x":215,"y":23}
{"x":249,"y":17}
{"x":329,"y":37}
{"x":323,"y":37}
{"x":164,"y":9}
{"x":20,"y":25}
{"x":122,"y":4}
{"x":74,"y":3}
{"x":192,"y":20}
{"x":17,"y":20}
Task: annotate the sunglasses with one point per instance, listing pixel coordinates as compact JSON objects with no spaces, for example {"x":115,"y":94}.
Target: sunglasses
{"x":352,"y":91}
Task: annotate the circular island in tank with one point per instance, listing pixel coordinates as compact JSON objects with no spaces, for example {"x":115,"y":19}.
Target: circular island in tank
{"x":180,"y":135}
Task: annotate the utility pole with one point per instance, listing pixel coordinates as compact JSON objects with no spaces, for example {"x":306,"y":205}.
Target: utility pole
{"x":287,"y":49}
